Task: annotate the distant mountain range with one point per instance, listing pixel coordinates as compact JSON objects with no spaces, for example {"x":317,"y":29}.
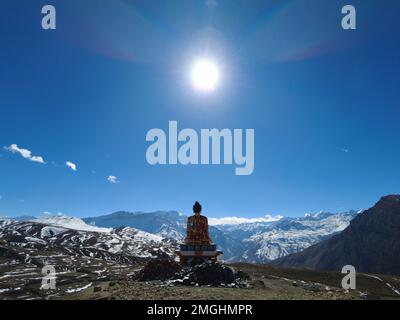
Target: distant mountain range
{"x":264,"y":242}
{"x":251,"y":242}
{"x":258,"y":242}
{"x":368,"y":240}
{"x":166,"y":224}
{"x":106,"y":249}
{"x":371,"y":243}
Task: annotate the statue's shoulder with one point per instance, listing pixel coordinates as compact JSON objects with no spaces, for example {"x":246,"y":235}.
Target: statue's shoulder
{"x":197,"y":217}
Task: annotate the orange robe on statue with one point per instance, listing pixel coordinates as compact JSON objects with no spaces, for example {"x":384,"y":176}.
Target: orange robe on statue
{"x":197,"y":231}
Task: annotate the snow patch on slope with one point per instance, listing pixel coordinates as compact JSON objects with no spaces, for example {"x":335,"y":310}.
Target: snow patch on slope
{"x":237,"y":220}
{"x":70,"y":223}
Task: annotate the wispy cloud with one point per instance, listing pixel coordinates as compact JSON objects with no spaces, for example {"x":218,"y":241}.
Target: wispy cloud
{"x":237,"y":220}
{"x":112,"y":179}
{"x":25,"y":153}
{"x":71,"y":165}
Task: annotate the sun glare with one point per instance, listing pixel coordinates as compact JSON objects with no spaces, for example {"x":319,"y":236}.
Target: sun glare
{"x":205,"y":76}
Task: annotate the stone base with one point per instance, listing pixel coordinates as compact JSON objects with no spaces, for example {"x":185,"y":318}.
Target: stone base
{"x":190,"y":255}
{"x":197,"y":247}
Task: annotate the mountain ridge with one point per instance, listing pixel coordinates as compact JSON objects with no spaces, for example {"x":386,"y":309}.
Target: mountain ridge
{"x":371,"y":243}
{"x":255,"y":242}
{"x":249,"y":242}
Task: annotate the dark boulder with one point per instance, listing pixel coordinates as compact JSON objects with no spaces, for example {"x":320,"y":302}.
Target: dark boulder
{"x":158,"y":269}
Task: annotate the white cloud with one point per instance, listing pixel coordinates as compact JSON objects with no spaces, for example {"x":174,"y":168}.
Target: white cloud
{"x":25,"y":153}
{"x":71,"y":165}
{"x":48,"y":213}
{"x":112,"y":179}
{"x":236,"y":220}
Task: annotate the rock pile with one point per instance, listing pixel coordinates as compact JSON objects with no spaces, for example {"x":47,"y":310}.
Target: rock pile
{"x":206,"y":274}
{"x":209,"y":274}
{"x":158,"y":269}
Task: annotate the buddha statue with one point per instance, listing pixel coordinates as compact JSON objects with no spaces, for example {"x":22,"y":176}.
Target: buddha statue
{"x":198,"y":247}
{"x":197,"y":228}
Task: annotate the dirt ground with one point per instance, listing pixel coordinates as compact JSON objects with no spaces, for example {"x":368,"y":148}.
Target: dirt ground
{"x":266,"y":283}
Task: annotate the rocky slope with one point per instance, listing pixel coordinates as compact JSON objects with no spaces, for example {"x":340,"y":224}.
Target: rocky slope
{"x":73,"y":235}
{"x":371,"y":243}
{"x":80,"y":253}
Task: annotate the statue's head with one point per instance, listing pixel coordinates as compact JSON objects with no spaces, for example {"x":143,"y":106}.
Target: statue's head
{"x":197,"y":208}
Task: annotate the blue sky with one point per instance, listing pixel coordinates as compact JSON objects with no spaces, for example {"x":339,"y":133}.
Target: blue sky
{"x":324,"y":104}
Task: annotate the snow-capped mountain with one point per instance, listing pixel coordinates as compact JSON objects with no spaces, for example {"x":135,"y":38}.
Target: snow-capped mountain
{"x":74,"y":236}
{"x":264,"y":242}
{"x":371,"y":243}
{"x":168,"y":225}
{"x":80,"y":253}
{"x":134,"y":233}
{"x":251,"y":242}
{"x":70,"y":223}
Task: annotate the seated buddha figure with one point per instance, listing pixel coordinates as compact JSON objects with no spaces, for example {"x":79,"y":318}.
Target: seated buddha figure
{"x":197,"y":228}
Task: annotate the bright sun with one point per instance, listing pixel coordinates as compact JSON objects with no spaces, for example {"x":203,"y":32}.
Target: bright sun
{"x":205,"y":75}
